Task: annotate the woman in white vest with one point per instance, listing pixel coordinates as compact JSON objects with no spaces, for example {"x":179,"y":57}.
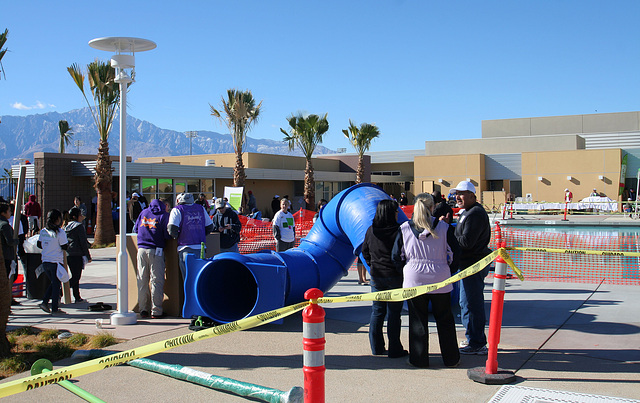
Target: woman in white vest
{"x":421,"y":248}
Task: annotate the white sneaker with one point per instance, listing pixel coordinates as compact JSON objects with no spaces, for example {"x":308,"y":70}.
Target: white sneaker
{"x":464,"y":343}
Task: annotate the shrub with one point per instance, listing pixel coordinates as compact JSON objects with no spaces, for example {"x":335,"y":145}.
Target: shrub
{"x":54,"y":351}
{"x":49,"y":334}
{"x":25,"y":331}
{"x":78,"y":339}
{"x":103,"y":339}
{"x":15,"y":364}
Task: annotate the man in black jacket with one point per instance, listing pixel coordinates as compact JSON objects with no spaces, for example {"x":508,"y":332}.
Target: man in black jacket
{"x":473,"y":233}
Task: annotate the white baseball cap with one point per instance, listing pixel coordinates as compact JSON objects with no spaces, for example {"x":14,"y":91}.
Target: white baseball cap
{"x":465,"y":185}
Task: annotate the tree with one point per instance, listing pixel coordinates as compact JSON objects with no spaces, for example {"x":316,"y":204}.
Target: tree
{"x":65,"y":134}
{"x":306,"y":133}
{"x":361,"y":138}
{"x":239,"y":112}
{"x":3,"y":40}
{"x":106,"y":95}
{"x":5,"y":285}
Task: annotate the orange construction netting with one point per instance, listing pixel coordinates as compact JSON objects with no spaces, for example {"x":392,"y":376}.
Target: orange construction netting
{"x":570,"y":267}
{"x":541,"y":266}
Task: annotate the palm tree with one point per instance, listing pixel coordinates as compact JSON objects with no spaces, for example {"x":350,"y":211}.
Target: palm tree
{"x":3,"y":40}
{"x":306,"y":133}
{"x":65,"y":134}
{"x":106,"y":94}
{"x":238,"y":112}
{"x":361,"y":138}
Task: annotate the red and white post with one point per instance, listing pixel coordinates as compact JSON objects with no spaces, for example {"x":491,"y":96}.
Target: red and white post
{"x":313,"y":342}
{"x":491,"y":374}
{"x":566,"y":206}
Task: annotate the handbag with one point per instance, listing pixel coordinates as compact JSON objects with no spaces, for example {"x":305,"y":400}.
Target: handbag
{"x":62,"y":273}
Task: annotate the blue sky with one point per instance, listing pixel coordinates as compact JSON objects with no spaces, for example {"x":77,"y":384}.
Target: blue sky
{"x":419,"y":70}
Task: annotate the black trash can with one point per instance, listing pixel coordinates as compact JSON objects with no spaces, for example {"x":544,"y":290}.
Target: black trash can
{"x":36,"y":286}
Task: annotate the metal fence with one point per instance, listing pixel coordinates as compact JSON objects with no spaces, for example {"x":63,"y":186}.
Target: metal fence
{"x":8,"y":188}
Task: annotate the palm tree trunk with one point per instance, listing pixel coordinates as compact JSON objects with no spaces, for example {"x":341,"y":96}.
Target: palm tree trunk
{"x":309,"y":186}
{"x":5,"y":308}
{"x":104,"y":231}
{"x":238,"y":172}
{"x":360,"y":170}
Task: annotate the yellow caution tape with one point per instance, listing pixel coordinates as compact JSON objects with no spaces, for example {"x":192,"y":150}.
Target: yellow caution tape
{"x":87,"y":367}
{"x":578,"y":251}
{"x":73,"y":371}
{"x":401,"y":294}
{"x":505,"y":256}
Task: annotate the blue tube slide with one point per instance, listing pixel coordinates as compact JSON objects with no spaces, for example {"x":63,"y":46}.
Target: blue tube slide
{"x":231,"y":286}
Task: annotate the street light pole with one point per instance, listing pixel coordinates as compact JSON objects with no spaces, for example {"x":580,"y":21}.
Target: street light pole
{"x":121,"y":62}
{"x":191,"y":135}
{"x":78,"y":143}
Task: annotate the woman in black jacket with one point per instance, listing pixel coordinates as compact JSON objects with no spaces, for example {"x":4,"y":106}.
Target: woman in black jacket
{"x":376,"y":250}
{"x":77,"y":250}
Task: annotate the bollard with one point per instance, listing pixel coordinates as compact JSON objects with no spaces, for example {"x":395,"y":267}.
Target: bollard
{"x":313,"y":343}
{"x":511,"y":211}
{"x":44,"y":365}
{"x":566,"y":204}
{"x":491,"y":374}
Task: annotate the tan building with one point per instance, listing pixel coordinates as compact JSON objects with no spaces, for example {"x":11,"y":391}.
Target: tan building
{"x":530,"y":158}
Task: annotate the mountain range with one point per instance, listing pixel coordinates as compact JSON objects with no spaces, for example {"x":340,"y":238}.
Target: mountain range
{"x":21,"y":136}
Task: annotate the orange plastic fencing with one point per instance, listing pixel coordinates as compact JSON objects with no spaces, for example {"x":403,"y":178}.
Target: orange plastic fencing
{"x":574,"y":268}
{"x":257,"y":235}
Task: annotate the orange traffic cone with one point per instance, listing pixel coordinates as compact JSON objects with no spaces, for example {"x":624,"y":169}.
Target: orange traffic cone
{"x":89,"y":228}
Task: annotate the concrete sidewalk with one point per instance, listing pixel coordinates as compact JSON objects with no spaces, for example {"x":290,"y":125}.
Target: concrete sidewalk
{"x":582,"y":338}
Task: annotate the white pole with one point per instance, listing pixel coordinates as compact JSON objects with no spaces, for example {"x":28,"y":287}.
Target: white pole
{"x":123,"y":316}
{"x":637,"y":189}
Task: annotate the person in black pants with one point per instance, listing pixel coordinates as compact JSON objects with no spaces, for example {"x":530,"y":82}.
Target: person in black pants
{"x":421,"y":249}
{"x":376,"y":250}
{"x":77,"y":251}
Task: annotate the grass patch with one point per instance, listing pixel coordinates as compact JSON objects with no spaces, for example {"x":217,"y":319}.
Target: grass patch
{"x":29,"y":344}
{"x":102,"y":340}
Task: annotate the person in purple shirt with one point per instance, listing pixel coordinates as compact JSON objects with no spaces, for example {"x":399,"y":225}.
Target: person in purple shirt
{"x":151,"y":227}
{"x":189,"y":223}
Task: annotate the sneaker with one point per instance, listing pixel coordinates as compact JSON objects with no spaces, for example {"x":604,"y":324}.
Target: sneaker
{"x":58,"y":312}
{"x":454,"y":365}
{"x":158,"y":316}
{"x":144,"y":314}
{"x":468,"y":350}
{"x":45,"y":307}
{"x":464,"y":343}
{"x":80,"y":300}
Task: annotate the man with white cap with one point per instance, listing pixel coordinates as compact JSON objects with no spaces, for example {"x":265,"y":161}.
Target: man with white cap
{"x":190,"y":224}
{"x":473,"y":233}
{"x":227,"y":223}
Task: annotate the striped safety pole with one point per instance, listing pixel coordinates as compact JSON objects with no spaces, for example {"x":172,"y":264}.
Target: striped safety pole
{"x":313,"y":342}
{"x":490,"y":374}
{"x":566,"y":204}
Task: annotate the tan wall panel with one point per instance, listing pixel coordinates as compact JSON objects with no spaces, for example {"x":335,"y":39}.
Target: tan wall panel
{"x":505,"y":145}
{"x":452,"y":169}
{"x":584,"y":167}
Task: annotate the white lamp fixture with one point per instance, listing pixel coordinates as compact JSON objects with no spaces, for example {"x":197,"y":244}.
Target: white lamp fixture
{"x":468,"y":179}
{"x":540,"y":178}
{"x":569,"y":178}
{"x":601,"y":177}
{"x":440,"y":180}
{"x":124,"y":58}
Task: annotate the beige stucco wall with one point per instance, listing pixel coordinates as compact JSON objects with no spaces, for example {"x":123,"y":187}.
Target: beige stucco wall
{"x":452,"y":169}
{"x":569,"y":124}
{"x":584,"y":167}
{"x":250,"y":160}
{"x":505,"y":145}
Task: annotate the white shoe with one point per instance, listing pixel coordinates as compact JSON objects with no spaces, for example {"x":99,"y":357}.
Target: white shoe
{"x":464,"y":343}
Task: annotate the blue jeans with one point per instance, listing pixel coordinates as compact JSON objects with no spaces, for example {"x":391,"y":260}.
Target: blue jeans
{"x":53,"y":291}
{"x":233,"y":248}
{"x":472,"y":308}
{"x":380,"y":309}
